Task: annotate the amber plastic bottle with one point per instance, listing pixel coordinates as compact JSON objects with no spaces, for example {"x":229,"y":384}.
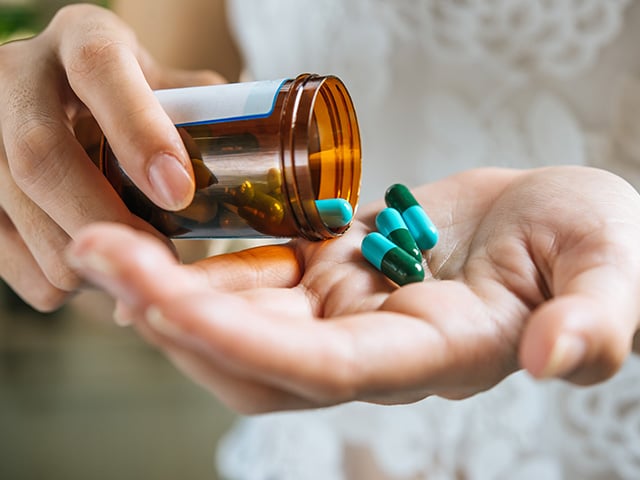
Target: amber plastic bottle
{"x":262,"y":154}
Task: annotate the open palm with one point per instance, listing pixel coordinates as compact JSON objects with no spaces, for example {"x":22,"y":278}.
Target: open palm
{"x":534,"y":269}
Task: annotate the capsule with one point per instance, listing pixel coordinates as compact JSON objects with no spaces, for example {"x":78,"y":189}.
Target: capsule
{"x":262,"y":209}
{"x":390,"y":224}
{"x":335,"y":212}
{"x":391,"y":260}
{"x":274,"y":180}
{"x":242,"y":194}
{"x":418,"y":222}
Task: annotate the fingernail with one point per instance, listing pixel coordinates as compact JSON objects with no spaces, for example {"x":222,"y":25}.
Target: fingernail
{"x":122,"y":316}
{"x":568,"y":352}
{"x":101,"y":273}
{"x":90,"y":261}
{"x":170,"y":181}
{"x":160,"y":324}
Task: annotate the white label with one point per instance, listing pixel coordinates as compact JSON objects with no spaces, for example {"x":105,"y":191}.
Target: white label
{"x":220,"y":103}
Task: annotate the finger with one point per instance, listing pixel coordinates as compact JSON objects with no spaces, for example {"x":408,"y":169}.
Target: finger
{"x":163,"y":77}
{"x":582,"y":335}
{"x":100,"y":59}
{"x":270,"y":266}
{"x":242,"y":395}
{"x":586,"y":332}
{"x":22,"y":273}
{"x":36,"y":231}
{"x":132,"y":273}
{"x":47,"y":163}
{"x":375,"y":355}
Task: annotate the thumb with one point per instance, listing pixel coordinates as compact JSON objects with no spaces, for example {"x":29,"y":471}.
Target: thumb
{"x":585,"y":333}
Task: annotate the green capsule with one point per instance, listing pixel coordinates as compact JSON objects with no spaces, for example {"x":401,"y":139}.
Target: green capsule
{"x":395,"y":263}
{"x":390,"y":224}
{"x":335,"y":212}
{"x":419,"y":224}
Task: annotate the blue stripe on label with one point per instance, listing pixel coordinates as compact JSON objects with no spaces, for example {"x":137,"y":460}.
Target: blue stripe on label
{"x":220,"y":103}
{"x":226,"y":119}
{"x":255,"y":101}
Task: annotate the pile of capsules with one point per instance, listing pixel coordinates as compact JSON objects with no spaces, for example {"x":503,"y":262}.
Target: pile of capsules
{"x":404,"y":231}
{"x":252,"y":204}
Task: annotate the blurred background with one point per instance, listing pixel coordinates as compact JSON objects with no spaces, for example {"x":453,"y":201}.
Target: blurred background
{"x":83,"y":399}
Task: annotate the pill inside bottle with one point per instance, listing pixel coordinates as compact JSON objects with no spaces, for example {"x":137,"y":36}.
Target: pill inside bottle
{"x":269,"y":158}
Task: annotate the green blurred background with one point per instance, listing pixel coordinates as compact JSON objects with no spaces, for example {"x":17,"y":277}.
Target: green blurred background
{"x":83,"y":399}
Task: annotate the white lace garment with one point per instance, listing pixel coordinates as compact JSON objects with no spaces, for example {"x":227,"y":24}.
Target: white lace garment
{"x":447,"y":85}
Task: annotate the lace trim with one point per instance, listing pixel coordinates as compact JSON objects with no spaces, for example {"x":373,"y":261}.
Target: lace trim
{"x":552,"y":37}
{"x":549,"y":36}
{"x":520,"y":430}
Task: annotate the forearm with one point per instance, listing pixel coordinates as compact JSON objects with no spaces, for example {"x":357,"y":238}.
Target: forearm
{"x":192,"y":34}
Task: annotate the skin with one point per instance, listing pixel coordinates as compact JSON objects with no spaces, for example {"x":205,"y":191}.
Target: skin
{"x":535,"y":269}
{"x":86,"y":73}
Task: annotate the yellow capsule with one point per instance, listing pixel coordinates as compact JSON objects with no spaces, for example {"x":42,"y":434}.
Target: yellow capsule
{"x":274,"y":180}
{"x":263,"y":209}
{"x":242,"y":194}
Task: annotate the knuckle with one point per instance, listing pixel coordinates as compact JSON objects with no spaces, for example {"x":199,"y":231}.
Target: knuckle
{"x":97,"y":54}
{"x":70,"y":15}
{"x":67,"y":14}
{"x":32,"y":151}
{"x":10,"y":55}
{"x":46,"y":298}
{"x":61,"y":276}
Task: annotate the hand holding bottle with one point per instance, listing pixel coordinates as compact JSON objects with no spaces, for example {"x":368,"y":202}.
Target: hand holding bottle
{"x":85,"y":73}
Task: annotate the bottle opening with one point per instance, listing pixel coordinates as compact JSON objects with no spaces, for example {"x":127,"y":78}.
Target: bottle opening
{"x":334,"y":144}
{"x":332,"y":153}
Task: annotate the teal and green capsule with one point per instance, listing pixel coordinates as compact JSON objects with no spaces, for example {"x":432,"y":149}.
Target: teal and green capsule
{"x":335,"y":212}
{"x":418,"y":222}
{"x":395,"y":263}
{"x":390,"y":224}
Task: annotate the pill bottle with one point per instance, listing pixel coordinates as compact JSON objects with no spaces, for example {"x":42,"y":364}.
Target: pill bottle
{"x":262,"y":153}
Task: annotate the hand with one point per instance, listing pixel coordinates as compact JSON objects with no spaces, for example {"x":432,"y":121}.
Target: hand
{"x":84,"y":73}
{"x":535,"y":269}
